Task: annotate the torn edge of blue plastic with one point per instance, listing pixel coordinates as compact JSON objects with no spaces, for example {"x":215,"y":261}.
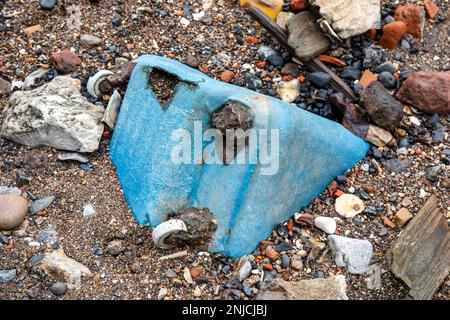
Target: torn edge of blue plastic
{"x":246,"y":203}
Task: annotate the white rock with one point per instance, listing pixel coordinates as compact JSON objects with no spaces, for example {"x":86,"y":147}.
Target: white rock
{"x":162,"y":293}
{"x":62,"y":268}
{"x":349,"y":18}
{"x":89,"y":211}
{"x":112,"y":111}
{"x":288,"y":91}
{"x":349,"y":205}
{"x":351,"y":253}
{"x":325,"y":224}
{"x":89,"y":41}
{"x":185,"y":22}
{"x":283,"y":18}
{"x":55,"y":115}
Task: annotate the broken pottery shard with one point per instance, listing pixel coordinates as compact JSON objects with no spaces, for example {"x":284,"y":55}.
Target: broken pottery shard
{"x":349,"y":18}
{"x":54,"y":115}
{"x":74,"y":156}
{"x":333,"y":288}
{"x":384,"y":110}
{"x":420,"y":256}
{"x":239,"y":196}
{"x":353,"y":254}
{"x":306,"y":36}
{"x":41,"y":204}
{"x":112,"y":111}
{"x":428,"y":91}
{"x":62,"y":268}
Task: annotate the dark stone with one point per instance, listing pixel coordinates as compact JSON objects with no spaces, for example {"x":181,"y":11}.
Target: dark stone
{"x":319,"y":79}
{"x":387,"y":79}
{"x":116,"y":21}
{"x":285,"y":261}
{"x":384,"y":110}
{"x":350,"y":73}
{"x":385,"y":66}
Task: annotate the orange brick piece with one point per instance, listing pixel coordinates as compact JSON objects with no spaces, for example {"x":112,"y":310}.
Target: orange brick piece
{"x":367,"y":78}
{"x":413,"y":17}
{"x":392,"y":34}
{"x":431,"y":8}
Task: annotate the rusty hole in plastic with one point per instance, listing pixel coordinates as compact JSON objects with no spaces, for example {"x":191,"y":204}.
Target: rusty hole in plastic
{"x":163,"y":86}
{"x":233,"y":116}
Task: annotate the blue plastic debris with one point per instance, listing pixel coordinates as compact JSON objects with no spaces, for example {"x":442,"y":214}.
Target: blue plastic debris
{"x":247,"y":200}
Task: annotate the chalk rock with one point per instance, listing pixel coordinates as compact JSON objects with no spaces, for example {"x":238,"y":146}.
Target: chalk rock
{"x":288,"y":91}
{"x":378,"y":136}
{"x":349,"y":205}
{"x":333,"y":288}
{"x":349,"y":18}
{"x":353,"y":254}
{"x":55,"y":115}
{"x":325,"y":224}
{"x":62,"y":268}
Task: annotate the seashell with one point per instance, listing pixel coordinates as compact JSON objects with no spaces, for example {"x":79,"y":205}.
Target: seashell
{"x":165,"y":229}
{"x":94,"y":82}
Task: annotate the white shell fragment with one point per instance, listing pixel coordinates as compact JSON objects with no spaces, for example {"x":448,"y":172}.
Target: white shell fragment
{"x":349,"y":205}
{"x":165,"y":229}
{"x":94,"y":82}
{"x":112,"y":111}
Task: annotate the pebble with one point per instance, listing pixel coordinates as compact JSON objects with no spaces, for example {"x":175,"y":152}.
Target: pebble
{"x":319,"y":79}
{"x":326,"y":224}
{"x":245,"y":270}
{"x":90,"y":41}
{"x":288,"y":91}
{"x":7,"y":276}
{"x":162,"y":293}
{"x":58,"y":288}
{"x":47,"y":4}
{"x":41,"y":204}
{"x":387,"y":79}
{"x":13,"y":210}
{"x":385,"y":67}
{"x":115,"y":247}
{"x":285,"y":261}
{"x":89,"y":211}
{"x":354,"y":254}
{"x":433,"y":173}
{"x":351,"y":73}
{"x":48,"y":236}
{"x":116,"y":21}
{"x":296,"y":262}
{"x":265,"y":51}
{"x":349,"y":205}
{"x":75,"y":156}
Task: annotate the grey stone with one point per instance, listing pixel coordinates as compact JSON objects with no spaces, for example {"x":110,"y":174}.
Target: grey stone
{"x":306,"y":36}
{"x":41,"y":204}
{"x":372,"y":57}
{"x":58,"y":288}
{"x":333,"y":288}
{"x":434,"y":173}
{"x":47,"y":4}
{"x":48,"y":236}
{"x":115,"y":247}
{"x":90,"y":41}
{"x":11,"y":191}
{"x":265,"y":52}
{"x":7,"y":276}
{"x":62,"y":268}
{"x":384,"y":110}
{"x":75,"y":156}
{"x":244,"y":270}
{"x":353,"y":254}
{"x":319,"y":79}
{"x":396,"y":165}
{"x":350,"y":73}
{"x":55,"y":115}
{"x":385,"y":66}
{"x":5,"y":86}
{"x":387,"y":79}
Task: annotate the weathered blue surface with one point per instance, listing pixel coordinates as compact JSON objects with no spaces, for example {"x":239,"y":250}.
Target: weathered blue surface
{"x":246,"y":204}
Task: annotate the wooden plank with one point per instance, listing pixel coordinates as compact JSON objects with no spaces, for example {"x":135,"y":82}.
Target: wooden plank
{"x":313,"y":65}
{"x":420,"y":256}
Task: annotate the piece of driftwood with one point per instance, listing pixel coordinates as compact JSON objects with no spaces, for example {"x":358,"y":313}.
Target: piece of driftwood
{"x":313,"y":65}
{"x":420,"y":257}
